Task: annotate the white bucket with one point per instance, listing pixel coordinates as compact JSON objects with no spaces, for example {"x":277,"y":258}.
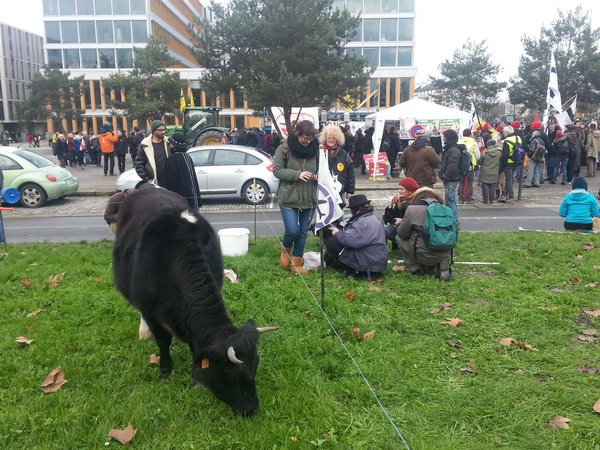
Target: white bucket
{"x":234,"y":241}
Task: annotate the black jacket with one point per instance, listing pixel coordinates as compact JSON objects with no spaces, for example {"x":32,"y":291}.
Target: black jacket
{"x":340,"y":165}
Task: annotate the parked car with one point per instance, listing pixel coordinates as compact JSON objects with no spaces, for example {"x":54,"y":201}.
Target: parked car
{"x":225,"y":171}
{"x":35,"y":177}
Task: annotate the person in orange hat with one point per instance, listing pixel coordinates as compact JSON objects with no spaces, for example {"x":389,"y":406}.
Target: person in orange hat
{"x":394,"y":212}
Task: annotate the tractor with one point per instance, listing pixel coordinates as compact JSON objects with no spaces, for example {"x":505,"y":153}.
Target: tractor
{"x":200,"y":126}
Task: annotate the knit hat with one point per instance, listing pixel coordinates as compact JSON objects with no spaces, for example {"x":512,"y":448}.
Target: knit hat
{"x":578,"y":183}
{"x":178,"y":141}
{"x":515,"y":124}
{"x":486,"y":126}
{"x":490,"y":143}
{"x":357,"y":201}
{"x":451,"y":136}
{"x":409,"y":184}
{"x":156,"y":124}
{"x":559,"y":133}
{"x":499,"y":128}
{"x":536,"y":126}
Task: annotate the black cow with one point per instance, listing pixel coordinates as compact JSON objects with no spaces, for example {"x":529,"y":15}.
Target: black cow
{"x":167,"y":262}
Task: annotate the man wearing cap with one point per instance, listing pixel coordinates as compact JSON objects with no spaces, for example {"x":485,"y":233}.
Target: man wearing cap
{"x":419,"y":160}
{"x":360,"y":248}
{"x":152,"y":155}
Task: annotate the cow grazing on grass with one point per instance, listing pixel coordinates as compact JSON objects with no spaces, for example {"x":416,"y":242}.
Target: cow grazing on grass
{"x":167,"y":262}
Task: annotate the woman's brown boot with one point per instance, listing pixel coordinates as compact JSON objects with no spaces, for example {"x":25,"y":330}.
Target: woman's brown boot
{"x":284,"y":258}
{"x":298,"y":265}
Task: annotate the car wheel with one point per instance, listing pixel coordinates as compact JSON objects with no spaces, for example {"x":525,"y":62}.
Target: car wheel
{"x":208,"y":138}
{"x":32,"y":196}
{"x":255,"y":194}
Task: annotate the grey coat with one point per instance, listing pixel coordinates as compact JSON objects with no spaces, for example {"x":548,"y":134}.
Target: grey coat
{"x":490,"y":165}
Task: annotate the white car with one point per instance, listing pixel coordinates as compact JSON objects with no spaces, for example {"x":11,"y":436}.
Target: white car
{"x":225,"y":171}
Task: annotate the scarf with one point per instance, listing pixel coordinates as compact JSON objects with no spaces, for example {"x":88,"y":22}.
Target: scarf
{"x":300,"y":151}
{"x":332,"y":150}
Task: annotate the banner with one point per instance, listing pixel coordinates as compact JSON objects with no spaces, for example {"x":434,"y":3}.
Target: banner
{"x":328,"y":209}
{"x":298,"y":114}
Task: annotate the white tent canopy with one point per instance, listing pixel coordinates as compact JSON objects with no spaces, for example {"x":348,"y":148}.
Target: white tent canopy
{"x":413,"y":112}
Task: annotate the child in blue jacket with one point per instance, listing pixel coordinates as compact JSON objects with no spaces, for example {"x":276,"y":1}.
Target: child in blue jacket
{"x":579,"y":207}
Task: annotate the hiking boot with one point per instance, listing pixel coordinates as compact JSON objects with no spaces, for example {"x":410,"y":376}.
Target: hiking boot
{"x":502,"y":199}
{"x":444,"y":271}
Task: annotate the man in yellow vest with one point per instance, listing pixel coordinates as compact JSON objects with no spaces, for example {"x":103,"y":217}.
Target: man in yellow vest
{"x":465,"y":183}
{"x":508,"y":162}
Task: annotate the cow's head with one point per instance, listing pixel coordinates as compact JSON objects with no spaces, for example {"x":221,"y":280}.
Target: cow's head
{"x":229,"y":368}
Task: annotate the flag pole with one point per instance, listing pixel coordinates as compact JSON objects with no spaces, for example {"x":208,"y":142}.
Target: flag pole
{"x":321,"y":252}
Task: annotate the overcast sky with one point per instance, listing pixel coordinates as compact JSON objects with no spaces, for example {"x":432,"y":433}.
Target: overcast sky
{"x":441,"y":26}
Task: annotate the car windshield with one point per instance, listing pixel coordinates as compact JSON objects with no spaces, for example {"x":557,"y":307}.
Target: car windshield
{"x":33,"y":158}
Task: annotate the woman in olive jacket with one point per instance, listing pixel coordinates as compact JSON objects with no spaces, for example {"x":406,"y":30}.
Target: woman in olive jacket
{"x":296,"y":167}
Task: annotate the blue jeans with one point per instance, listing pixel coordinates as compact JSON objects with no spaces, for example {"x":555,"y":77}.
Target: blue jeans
{"x":450,"y":189}
{"x":558,"y":161}
{"x":296,"y":223}
{"x":509,"y":173}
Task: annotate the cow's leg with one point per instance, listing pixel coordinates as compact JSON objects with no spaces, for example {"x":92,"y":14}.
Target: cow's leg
{"x":163,"y":340}
{"x":196,"y":367}
{"x":144,"y":332}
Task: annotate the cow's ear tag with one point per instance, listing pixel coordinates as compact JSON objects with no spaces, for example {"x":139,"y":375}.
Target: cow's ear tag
{"x":204,"y":364}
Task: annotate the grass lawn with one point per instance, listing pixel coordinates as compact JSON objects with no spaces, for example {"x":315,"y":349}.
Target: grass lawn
{"x":444,"y":387}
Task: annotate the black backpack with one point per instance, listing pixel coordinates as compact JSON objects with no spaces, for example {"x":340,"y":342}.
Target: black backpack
{"x":537,"y":150}
{"x":563,"y":147}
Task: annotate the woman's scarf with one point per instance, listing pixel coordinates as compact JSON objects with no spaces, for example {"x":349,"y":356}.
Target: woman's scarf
{"x":300,"y":151}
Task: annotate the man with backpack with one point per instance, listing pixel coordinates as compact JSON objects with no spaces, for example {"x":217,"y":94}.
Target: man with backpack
{"x":512,"y":157}
{"x":559,"y":157}
{"x":536,"y":153}
{"x":450,"y":169}
{"x":465,"y":186}
{"x":427,"y":234}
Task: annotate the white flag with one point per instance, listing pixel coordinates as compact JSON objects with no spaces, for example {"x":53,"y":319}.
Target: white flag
{"x":473,"y":115}
{"x":328,"y":209}
{"x":553,"y":95}
{"x":567,"y":116}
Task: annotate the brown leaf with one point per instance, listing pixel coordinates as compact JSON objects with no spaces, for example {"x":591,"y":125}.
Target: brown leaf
{"x":123,"y":436}
{"x":454,"y":344}
{"x":398,"y":268}
{"x":153,"y":359}
{"x":590,"y":370}
{"x":368,"y":335}
{"x":53,"y":381}
{"x":506,"y":342}
{"x":559,"y":422}
{"x":575,"y":280}
{"x":587,"y":246}
{"x":54,"y":280}
{"x":350,"y":295}
{"x":97,"y":279}
{"x":356,"y":332}
{"x":592,"y":312}
{"x":593,"y":284}
{"x":36,"y":312}
{"x":587,"y":339}
{"x":23,"y":340}
{"x":454,"y":322}
{"x":524,"y":346}
{"x":375,"y":288}
{"x":472,"y":368}
{"x":597,"y":406}
{"x":590,"y":332}
{"x":26,"y":283}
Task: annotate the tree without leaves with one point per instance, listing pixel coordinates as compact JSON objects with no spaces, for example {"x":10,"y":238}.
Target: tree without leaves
{"x":469,"y":76}
{"x":150,"y":90}
{"x":577,"y":59}
{"x":283,"y":53}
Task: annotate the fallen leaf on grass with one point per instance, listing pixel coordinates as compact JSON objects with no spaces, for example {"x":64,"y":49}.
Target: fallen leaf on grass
{"x":365,"y":337}
{"x":23,"y":340}
{"x":592,"y":312}
{"x":230,"y":275}
{"x":123,"y":436}
{"x":368,"y":335}
{"x":590,"y":332}
{"x":54,"y":280}
{"x":454,"y":344}
{"x":590,"y":370}
{"x":375,"y":288}
{"x":454,"y":322}
{"x":153,"y":359}
{"x":587,"y":339}
{"x":524,"y":346}
{"x":356,"y":332}
{"x":549,"y":308}
{"x":575,"y":280}
{"x":53,"y":381}
{"x":36,"y":312}
{"x":506,"y":342}
{"x":592,"y":284}
{"x":519,"y":372}
{"x":472,"y":368}
{"x":453,"y":355}
{"x":559,"y":422}
{"x":97,"y":280}
{"x":350,"y":295}
{"x":597,"y":407}
{"x":443,"y":306}
{"x":398,"y":268}
{"x":587,"y":246}
{"x":26,"y":283}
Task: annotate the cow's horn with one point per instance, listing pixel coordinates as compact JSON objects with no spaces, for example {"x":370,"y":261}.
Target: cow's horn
{"x":262,"y":330}
{"x":232,"y":357}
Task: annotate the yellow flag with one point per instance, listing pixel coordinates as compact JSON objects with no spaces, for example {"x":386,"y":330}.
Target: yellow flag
{"x":192,"y":100}
{"x":181,"y":101}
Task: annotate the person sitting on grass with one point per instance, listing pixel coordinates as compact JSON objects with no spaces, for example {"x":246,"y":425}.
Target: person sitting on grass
{"x":579,"y":207}
{"x":394,"y":212}
{"x":360,"y":248}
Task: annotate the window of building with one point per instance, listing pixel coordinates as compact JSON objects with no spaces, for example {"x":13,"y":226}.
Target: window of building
{"x":87,"y":31}
{"x":238,"y":94}
{"x":405,"y":29}
{"x":388,"y":56}
{"x":51,"y":7}
{"x":71,"y":58}
{"x":52,"y":33}
{"x":389,"y":6}
{"x":67,"y":7}
{"x":404,"y":89}
{"x":371,"y":30}
{"x":120,"y":7}
{"x":372,"y":56}
{"x":69,"y":32}
{"x":392,"y":91}
{"x":140,"y":33}
{"x":138,"y":6}
{"x":407,"y":6}
{"x":339,"y":4}
{"x":371,"y":6}
{"x":383,"y":101}
{"x":103,"y":7}
{"x":374,"y":100}
{"x":353,"y":51}
{"x":105,"y":31}
{"x":124,"y":58}
{"x":85,"y":7}
{"x":106,"y":56}
{"x":122,"y":31}
{"x":89,"y":58}
{"x":405,"y":56}
{"x":354,"y":6}
{"x":54,"y":59}
{"x":388,"y":29}
{"x":356,"y":36}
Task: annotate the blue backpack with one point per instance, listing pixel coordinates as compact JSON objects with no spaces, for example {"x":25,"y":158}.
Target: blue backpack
{"x":440,"y":231}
